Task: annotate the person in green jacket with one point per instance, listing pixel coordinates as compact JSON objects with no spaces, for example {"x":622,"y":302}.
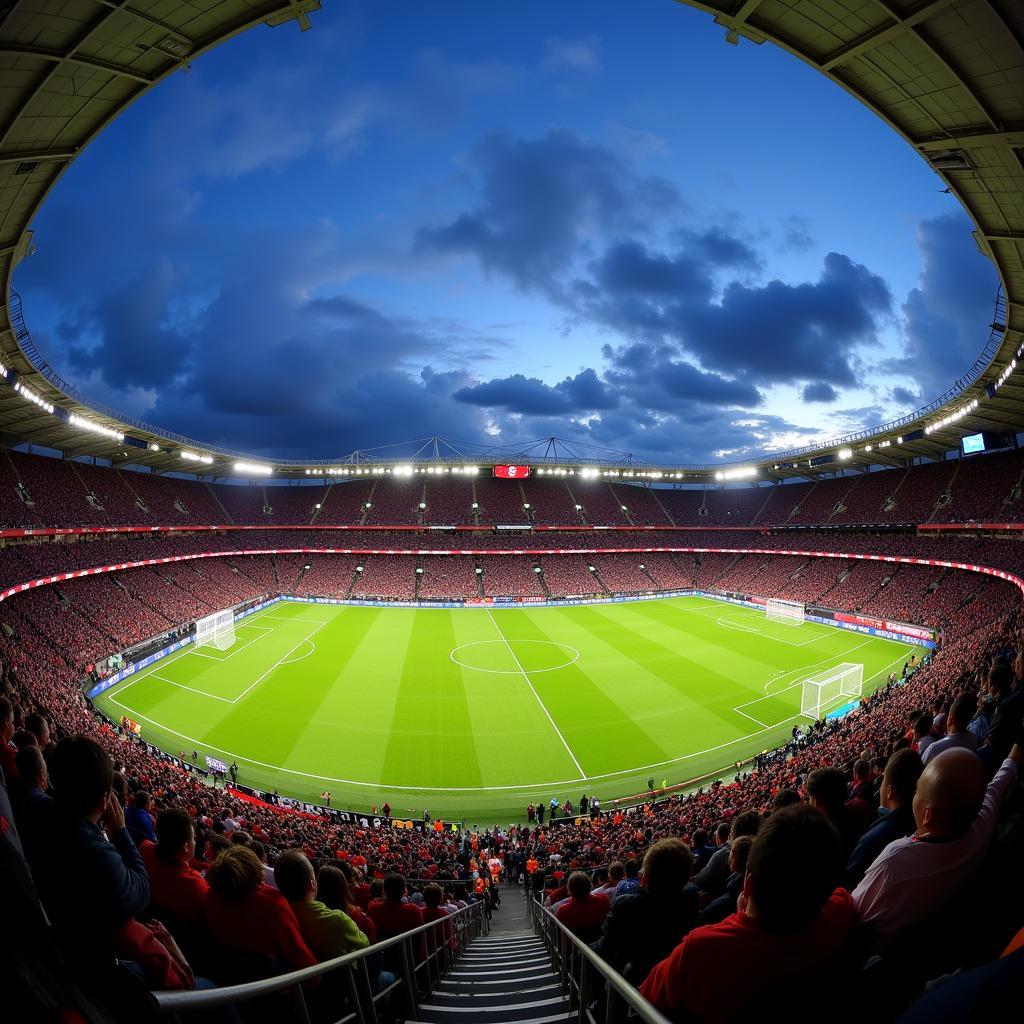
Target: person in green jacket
{"x":328,"y":933}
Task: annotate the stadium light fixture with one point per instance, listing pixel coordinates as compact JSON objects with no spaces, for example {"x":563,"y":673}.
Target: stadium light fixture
{"x":154,"y":447}
{"x":479,"y":571}
{"x":318,"y":505}
{"x":423,"y":505}
{"x":579,"y":508}
{"x":206,"y":460}
{"x":741,"y":473}
{"x":419,"y":570}
{"x":96,"y":428}
{"x":359,"y":568}
{"x":526,"y":504}
{"x":31,"y":396}
{"x":368,"y":505}
{"x":624,"y":509}
{"x":536,"y":568}
{"x":642,"y":566}
{"x":255,"y":468}
{"x":845,"y":453}
{"x":476,"y":505}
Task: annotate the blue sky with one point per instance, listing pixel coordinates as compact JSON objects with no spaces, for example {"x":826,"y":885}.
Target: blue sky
{"x":499,"y":222}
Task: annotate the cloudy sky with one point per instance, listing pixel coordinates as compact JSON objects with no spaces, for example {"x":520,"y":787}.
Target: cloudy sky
{"x":498,"y":222}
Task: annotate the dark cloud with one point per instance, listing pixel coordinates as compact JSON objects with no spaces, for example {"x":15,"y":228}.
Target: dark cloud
{"x":946,"y":316}
{"x":126,"y":333}
{"x":780,"y":332}
{"x":541,"y":200}
{"x":529,"y":396}
{"x":819,"y":392}
{"x":904,"y":397}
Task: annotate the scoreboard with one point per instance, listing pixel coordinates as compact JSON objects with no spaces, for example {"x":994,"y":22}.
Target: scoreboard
{"x":511,"y":472}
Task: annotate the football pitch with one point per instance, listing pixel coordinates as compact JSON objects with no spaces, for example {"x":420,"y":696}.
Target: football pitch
{"x":474,"y":712}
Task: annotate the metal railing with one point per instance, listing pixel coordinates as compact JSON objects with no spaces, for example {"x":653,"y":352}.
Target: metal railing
{"x":597,"y":993}
{"x":343,"y":990}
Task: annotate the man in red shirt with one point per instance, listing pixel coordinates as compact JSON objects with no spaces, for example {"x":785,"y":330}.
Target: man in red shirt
{"x":177,"y":890}
{"x":790,"y":927}
{"x":391,"y":916}
{"x":584,"y":912}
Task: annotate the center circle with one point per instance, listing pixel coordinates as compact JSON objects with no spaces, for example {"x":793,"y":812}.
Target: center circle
{"x":514,"y":657}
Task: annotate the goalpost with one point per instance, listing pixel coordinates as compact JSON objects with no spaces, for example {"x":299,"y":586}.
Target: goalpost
{"x":843,"y":682}
{"x":777,"y":610}
{"x":217,"y":629}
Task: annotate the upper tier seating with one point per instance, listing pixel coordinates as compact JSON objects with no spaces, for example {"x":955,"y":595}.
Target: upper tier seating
{"x":36,"y":490}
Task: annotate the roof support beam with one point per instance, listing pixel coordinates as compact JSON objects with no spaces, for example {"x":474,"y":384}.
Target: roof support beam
{"x":133,"y":12}
{"x":876,"y":37}
{"x":39,"y":156}
{"x":58,"y":57}
{"x":971,"y":140}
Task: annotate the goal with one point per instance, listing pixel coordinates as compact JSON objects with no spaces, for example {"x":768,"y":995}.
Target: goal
{"x":778,"y":610}
{"x":217,"y":629}
{"x":820,"y":692}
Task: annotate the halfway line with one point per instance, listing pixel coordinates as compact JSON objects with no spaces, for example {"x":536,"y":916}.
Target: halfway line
{"x":558,"y":731}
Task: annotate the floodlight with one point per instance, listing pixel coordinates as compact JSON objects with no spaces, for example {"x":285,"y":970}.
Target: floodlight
{"x":845,"y":453}
{"x":255,"y":468}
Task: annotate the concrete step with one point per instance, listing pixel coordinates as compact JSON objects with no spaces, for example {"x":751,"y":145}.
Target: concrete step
{"x":464,"y":996}
{"x":434,"y":1013}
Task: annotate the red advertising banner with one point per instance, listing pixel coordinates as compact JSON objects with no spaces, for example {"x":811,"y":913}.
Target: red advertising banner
{"x":511,"y":472}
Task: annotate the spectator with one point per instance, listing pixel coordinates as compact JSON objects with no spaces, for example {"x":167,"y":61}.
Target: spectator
{"x":616,"y":873}
{"x":630,"y":878}
{"x":138,"y":819}
{"x":644,"y":926}
{"x":826,"y":792}
{"x":177,"y":890}
{"x":790,"y":927}
{"x":721,"y":907}
{"x":35,"y":805}
{"x":91,"y":877}
{"x":244,"y":914}
{"x":895,"y":815}
{"x":1008,"y":711}
{"x":328,"y":932}
{"x":923,"y":736}
{"x":713,"y":878}
{"x":7,"y":764}
{"x":335,"y":891}
{"x":391,"y":915}
{"x":955,"y":817}
{"x":961,"y":713}
{"x":584,"y":911}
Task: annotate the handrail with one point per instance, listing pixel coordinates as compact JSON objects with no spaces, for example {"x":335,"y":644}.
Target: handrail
{"x":569,"y":953}
{"x":471,"y":919}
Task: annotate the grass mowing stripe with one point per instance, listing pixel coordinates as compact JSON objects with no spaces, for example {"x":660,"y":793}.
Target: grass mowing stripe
{"x":597,"y":724}
{"x":431,"y":737}
{"x":533,"y":690}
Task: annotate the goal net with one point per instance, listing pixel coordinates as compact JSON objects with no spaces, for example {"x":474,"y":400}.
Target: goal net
{"x":217,"y":629}
{"x":778,"y":610}
{"x":840,"y":684}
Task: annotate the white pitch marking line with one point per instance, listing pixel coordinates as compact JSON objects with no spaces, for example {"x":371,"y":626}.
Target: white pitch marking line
{"x":279,"y":661}
{"x":182,"y":686}
{"x":211,"y":657}
{"x":751,"y":717}
{"x":558,"y":731}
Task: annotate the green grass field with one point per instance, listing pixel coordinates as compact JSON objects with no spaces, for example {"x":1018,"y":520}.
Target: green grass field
{"x":474,"y":712}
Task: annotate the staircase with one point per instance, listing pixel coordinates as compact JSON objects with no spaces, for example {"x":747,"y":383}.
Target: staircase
{"x":500,"y":978}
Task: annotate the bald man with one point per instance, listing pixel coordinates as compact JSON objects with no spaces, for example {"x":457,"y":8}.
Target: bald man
{"x":955,"y":817}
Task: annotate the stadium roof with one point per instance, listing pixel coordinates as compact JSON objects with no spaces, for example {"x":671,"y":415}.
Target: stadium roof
{"x":948,"y":75}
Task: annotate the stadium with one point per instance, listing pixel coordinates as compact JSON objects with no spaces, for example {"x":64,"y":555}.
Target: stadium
{"x":548,"y":720}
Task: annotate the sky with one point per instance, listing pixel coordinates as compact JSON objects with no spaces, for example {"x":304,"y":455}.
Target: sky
{"x":502,"y":222}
